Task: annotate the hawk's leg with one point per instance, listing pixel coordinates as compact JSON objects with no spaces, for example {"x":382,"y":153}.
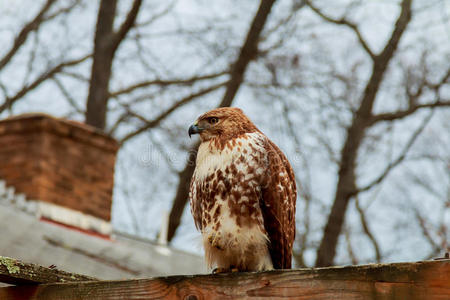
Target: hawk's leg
{"x":215,"y":239}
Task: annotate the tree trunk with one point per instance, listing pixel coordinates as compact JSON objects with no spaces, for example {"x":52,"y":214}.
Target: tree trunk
{"x":101,"y":67}
{"x":181,"y":197}
{"x":106,"y":43}
{"x":249,"y":51}
{"x":346,"y":187}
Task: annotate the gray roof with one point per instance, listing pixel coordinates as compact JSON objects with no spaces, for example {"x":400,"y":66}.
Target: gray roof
{"x":27,"y":238}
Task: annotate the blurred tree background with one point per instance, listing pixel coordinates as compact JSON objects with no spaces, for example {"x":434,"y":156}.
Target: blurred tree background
{"x":357,"y":94}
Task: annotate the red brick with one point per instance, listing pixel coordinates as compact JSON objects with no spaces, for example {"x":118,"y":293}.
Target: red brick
{"x":59,"y":161}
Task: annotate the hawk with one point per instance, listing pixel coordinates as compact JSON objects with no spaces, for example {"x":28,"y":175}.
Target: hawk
{"x":242,"y":194}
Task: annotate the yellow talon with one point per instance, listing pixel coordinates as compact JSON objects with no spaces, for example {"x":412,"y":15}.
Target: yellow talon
{"x":220,"y":270}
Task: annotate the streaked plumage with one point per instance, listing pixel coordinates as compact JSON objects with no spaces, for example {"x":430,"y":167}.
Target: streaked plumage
{"x":242,"y":194}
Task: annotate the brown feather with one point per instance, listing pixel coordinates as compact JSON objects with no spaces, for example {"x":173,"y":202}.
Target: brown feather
{"x":242,"y":195}
{"x":278,"y":207}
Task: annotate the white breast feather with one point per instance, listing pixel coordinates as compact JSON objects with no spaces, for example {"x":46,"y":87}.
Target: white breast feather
{"x":208,"y":162}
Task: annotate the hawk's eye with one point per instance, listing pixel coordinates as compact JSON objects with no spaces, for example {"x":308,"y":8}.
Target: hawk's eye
{"x":213,"y":120}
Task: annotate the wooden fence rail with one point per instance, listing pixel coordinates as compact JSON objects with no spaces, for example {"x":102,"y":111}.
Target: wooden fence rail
{"x":419,"y":280}
{"x":14,"y":271}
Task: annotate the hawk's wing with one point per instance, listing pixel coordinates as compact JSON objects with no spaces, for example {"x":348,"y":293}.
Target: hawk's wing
{"x":278,"y":206}
{"x":195,"y":192}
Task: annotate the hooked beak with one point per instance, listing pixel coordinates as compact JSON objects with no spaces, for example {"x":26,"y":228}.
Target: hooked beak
{"x":194,"y":129}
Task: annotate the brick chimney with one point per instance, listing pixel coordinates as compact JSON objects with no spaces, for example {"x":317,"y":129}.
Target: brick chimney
{"x":66,"y":167}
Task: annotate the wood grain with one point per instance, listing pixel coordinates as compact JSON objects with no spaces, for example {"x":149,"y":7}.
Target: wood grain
{"x":14,"y":271}
{"x":421,"y":280}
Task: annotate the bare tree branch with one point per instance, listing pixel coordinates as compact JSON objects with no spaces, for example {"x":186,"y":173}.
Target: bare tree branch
{"x":4,"y":90}
{"x":155,"y":122}
{"x":399,"y":28}
{"x":72,"y":102}
{"x":98,"y":95}
{"x":63,"y":10}
{"x":126,"y":25}
{"x":346,"y":185}
{"x":400,"y":158}
{"x":304,"y":191}
{"x":26,"y":30}
{"x":106,"y":42}
{"x":75,"y":75}
{"x":40,"y":79}
{"x":412,"y":101}
{"x":160,"y":146}
{"x":426,"y":233}
{"x":248,"y":52}
{"x":158,"y":15}
{"x":367,"y":231}
{"x":348,"y":243}
{"x":445,"y":79}
{"x":295,"y":8}
{"x":161,"y":82}
{"x":405,"y":113}
{"x":31,"y":59}
{"x":343,"y":22}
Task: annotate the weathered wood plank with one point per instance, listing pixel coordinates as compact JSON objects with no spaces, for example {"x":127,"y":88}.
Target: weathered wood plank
{"x":421,"y":280}
{"x":14,"y":271}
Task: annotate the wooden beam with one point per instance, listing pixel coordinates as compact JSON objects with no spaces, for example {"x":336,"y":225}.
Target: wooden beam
{"x":14,"y":271}
{"x":420,"y":280}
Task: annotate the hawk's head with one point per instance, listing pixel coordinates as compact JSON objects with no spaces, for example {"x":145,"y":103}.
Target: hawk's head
{"x":224,"y":123}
